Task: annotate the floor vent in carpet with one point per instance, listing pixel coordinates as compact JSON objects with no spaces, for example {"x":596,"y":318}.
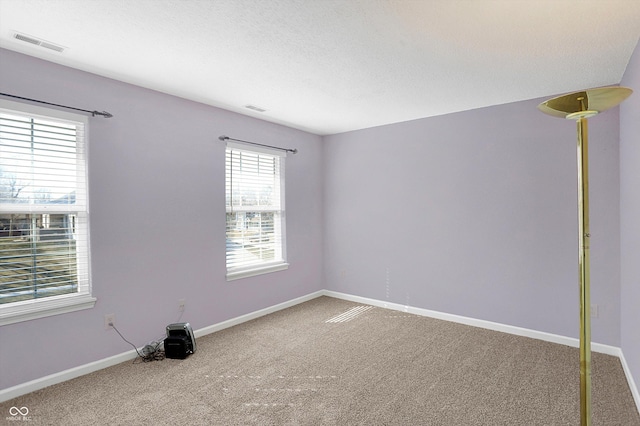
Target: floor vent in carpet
{"x":350,"y":314}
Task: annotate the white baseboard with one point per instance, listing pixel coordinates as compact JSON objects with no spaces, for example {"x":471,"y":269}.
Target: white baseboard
{"x":25,"y":388}
{"x":63,"y":376}
{"x":495,"y":326}
{"x":72,"y":373}
{"x":257,"y":314}
{"x":632,"y":383}
{"x":519,"y":331}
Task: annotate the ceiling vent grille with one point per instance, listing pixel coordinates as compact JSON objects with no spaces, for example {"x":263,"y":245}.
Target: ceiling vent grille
{"x":255,"y":108}
{"x":38,"y":42}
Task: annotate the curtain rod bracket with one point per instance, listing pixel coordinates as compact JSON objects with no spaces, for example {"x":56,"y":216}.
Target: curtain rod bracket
{"x":105,"y":114}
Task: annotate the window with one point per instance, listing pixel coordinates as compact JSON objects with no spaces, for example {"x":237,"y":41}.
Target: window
{"x":255,"y":237}
{"x":44,"y":240}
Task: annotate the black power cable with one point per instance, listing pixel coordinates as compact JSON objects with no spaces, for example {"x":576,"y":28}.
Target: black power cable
{"x":156,"y":355}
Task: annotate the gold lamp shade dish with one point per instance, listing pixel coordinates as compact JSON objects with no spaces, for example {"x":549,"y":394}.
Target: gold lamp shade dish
{"x":585,"y":103}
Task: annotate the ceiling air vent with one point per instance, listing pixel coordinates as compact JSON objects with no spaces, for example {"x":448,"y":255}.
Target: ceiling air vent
{"x":255,"y":108}
{"x":38,"y":42}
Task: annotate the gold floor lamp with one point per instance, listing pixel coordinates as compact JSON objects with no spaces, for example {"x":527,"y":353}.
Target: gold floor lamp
{"x":580,"y":106}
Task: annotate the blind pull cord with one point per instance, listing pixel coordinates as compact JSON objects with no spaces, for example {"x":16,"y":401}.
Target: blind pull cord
{"x":105,"y":114}
{"x":227,"y":138}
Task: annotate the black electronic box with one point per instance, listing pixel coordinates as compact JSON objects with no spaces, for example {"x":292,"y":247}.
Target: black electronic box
{"x":180,"y":341}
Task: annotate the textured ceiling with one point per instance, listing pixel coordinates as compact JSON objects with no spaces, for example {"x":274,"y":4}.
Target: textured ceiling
{"x":329,"y":66}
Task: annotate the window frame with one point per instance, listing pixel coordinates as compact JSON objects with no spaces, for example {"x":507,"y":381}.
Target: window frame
{"x":264,"y":267}
{"x":25,"y":310}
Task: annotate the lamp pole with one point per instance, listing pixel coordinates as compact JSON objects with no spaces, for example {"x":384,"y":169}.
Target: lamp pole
{"x":584,"y":275}
{"x":580,"y":106}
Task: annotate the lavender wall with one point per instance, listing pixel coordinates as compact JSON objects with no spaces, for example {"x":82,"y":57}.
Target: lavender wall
{"x":475,"y":214}
{"x":630,"y":217}
{"x":471,"y":213}
{"x":156,"y":173}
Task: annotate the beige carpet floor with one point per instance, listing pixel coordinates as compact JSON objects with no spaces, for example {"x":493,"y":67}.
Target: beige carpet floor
{"x":333,"y":362}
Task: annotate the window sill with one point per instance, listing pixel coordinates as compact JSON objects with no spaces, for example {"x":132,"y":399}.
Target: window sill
{"x":257,"y":271}
{"x":45,"y":308}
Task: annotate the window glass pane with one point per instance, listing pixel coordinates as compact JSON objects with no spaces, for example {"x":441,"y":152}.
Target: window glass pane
{"x":252,"y":179}
{"x":37,"y":256}
{"x":38,"y":161}
{"x":251,"y":238}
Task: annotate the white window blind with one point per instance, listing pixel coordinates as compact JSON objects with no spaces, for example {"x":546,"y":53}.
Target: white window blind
{"x":44,"y":248}
{"x":255,"y":240}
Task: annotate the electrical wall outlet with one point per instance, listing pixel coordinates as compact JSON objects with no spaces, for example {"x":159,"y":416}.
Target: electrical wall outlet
{"x":109,"y":320}
{"x":594,"y":311}
{"x":181,"y":304}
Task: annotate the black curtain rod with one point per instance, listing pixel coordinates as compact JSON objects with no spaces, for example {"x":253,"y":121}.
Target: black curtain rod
{"x":105,"y":114}
{"x":227,"y":138}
